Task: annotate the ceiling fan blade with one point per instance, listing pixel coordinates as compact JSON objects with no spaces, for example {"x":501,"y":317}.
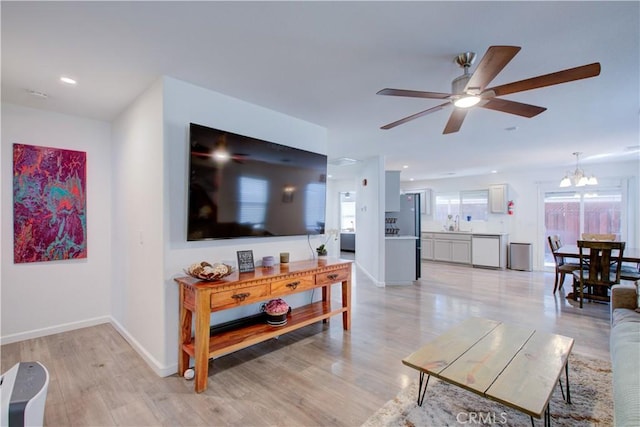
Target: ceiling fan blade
{"x":413,"y":93}
{"x":512,"y":107}
{"x":564,"y":76}
{"x":415,"y":116}
{"x":455,"y":120}
{"x":496,"y":58}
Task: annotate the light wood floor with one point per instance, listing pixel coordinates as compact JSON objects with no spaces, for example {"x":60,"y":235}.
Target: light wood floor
{"x":317,"y":376}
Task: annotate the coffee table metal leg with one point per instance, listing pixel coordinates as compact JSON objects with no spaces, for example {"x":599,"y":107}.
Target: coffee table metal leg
{"x":422,"y":391}
{"x":566,"y":373}
{"x":547,"y":417}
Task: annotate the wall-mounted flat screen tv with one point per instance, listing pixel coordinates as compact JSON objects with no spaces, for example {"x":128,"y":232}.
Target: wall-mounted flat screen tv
{"x":246,"y":187}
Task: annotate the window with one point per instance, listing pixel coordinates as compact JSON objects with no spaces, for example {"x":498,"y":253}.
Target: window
{"x":447,"y":204}
{"x":474,"y":204}
{"x":348,"y":212}
{"x":570,"y":213}
{"x":464,"y":203}
{"x":253,"y":201}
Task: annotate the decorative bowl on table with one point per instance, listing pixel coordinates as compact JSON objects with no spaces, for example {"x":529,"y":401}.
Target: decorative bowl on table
{"x":208,"y":272}
{"x":276,"y":311}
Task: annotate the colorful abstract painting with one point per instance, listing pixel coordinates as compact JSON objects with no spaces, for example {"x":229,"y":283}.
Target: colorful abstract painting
{"x":49,"y":204}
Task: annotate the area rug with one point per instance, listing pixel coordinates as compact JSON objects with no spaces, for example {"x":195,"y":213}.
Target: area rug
{"x":448,"y":405}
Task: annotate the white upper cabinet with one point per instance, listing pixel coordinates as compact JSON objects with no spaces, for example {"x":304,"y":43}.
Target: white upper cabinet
{"x":498,"y":198}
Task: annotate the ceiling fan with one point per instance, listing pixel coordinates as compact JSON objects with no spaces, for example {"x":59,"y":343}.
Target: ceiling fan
{"x":470,"y":90}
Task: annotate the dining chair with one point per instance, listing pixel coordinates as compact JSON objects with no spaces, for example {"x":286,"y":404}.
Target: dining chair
{"x":598,"y":237}
{"x":600,"y":266}
{"x":562,"y":267}
{"x":630,"y":272}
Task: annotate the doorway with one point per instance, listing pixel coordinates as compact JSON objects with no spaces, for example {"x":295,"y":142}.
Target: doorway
{"x":348,"y":221}
{"x":569,"y":213}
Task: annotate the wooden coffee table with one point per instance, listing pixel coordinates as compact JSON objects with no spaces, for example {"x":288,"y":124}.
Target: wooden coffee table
{"x":518,"y":367}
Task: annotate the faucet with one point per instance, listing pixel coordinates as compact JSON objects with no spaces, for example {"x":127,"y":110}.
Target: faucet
{"x":457,"y":223}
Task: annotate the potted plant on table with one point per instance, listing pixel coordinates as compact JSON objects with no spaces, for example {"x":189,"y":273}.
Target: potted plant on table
{"x":321,"y":250}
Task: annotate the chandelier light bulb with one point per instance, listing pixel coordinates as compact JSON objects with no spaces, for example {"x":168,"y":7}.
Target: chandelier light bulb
{"x":578,"y":178}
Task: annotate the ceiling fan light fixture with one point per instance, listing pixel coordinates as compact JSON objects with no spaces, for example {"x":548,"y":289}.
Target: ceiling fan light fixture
{"x":466,"y":101}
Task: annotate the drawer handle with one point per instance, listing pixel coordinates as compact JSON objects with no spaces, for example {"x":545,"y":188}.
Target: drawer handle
{"x":293,"y":285}
{"x":240,"y":297}
{"x":332,"y":276}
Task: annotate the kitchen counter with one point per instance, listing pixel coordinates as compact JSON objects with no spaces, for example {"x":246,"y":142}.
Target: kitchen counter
{"x":400,"y":260}
{"x":472,"y":233}
{"x":486,"y":250}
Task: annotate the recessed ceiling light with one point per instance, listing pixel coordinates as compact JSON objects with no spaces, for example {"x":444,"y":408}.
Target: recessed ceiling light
{"x":410,"y":179}
{"x":68,"y":80}
{"x":405,"y":166}
{"x":494,"y":171}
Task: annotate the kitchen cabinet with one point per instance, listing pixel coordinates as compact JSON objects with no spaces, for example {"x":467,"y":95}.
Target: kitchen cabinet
{"x":392,"y":191}
{"x":452,"y":247}
{"x":498,"y":198}
{"x":427,"y":246}
{"x":461,"y":251}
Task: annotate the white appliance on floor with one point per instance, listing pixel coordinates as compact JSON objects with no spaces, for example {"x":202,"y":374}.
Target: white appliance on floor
{"x":23,"y":392}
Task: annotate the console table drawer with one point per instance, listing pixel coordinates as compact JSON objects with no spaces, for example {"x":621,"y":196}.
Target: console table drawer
{"x":332,"y":277}
{"x":237,"y":297}
{"x":283,"y":287}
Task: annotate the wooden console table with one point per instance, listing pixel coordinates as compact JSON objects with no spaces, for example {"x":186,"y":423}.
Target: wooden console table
{"x":198,"y":299}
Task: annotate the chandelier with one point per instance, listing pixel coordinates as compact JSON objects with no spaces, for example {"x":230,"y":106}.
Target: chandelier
{"x":579,"y":178}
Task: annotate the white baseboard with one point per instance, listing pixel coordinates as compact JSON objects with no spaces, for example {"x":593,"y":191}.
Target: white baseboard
{"x":158,"y":368}
{"x":375,"y":281}
{"x":162,"y":371}
{"x":65,"y":327}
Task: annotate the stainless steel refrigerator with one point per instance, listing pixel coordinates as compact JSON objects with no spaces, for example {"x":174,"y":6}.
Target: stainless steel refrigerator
{"x":408,"y":222}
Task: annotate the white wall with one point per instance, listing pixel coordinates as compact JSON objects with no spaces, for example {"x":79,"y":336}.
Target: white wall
{"x":370,"y":199}
{"x":48,"y":297}
{"x":138,"y":212}
{"x":137,"y":181}
{"x":185,"y":103}
{"x":526,"y":189}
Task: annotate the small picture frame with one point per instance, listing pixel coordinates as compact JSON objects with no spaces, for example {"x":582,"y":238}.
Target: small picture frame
{"x":245,"y":261}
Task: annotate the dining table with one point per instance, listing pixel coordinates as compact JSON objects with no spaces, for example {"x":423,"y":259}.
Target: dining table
{"x":630,"y":255}
{"x":572,"y":251}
